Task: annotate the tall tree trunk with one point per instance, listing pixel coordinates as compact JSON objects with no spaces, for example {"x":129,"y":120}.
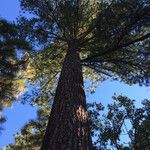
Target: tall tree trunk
{"x":68,"y":127}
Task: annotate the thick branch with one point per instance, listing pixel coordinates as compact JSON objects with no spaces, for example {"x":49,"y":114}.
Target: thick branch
{"x":116,"y":48}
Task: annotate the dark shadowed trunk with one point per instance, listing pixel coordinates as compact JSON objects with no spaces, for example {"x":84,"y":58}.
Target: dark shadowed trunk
{"x":135,"y":145}
{"x":68,"y":127}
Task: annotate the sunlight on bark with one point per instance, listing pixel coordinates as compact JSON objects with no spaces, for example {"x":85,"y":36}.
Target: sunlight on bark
{"x":82,"y":114}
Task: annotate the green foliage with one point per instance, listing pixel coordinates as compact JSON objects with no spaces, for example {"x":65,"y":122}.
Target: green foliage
{"x":120,"y":45}
{"x":61,"y":19}
{"x":10,"y":65}
{"x":123,"y":120}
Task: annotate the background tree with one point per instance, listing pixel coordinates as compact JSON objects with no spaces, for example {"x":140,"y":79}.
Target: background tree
{"x":111,"y":37}
{"x":11,"y":83}
{"x":123,"y":120}
{"x":31,"y":135}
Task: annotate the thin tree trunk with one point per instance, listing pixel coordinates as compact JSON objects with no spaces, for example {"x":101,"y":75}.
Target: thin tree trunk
{"x":68,"y":127}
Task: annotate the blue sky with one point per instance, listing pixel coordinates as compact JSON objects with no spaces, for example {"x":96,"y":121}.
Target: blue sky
{"x":19,"y":114}
{"x":9,"y":9}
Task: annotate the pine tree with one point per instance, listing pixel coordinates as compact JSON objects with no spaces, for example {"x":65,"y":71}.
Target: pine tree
{"x":10,"y":64}
{"x":112,"y":38}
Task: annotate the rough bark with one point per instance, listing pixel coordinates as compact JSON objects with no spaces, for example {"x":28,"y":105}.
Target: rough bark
{"x":68,"y":127}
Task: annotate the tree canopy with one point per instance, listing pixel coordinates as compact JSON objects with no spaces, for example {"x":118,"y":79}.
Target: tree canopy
{"x":113,"y":36}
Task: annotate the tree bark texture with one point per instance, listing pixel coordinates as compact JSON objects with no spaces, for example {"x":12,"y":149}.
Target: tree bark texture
{"x":68,"y":127}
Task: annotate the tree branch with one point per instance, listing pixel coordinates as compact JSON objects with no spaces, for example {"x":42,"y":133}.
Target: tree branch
{"x":116,"y":48}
